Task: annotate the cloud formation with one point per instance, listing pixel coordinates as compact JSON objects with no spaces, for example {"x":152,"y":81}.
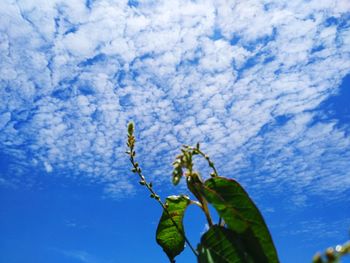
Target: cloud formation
{"x":243,"y":77}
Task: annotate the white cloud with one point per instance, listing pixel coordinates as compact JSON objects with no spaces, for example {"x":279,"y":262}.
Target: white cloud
{"x":48,"y":167}
{"x":316,"y":228}
{"x":72,"y":76}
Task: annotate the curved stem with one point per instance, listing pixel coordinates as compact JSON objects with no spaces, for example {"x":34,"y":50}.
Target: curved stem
{"x":143,"y":181}
{"x":205,"y":210}
{"x":207,"y":214}
{"x":210,"y":163}
{"x":196,"y":203}
{"x":206,"y":157}
{"x":214,"y":174}
{"x":203,"y":203}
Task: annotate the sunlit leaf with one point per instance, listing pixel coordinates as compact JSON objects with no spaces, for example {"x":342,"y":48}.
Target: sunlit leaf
{"x":241,"y":216}
{"x":170,"y":237}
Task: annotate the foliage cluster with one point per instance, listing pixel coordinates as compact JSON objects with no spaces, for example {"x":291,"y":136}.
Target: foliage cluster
{"x":240,"y":236}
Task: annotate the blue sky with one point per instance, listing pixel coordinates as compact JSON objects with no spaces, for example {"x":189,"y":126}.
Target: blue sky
{"x":263,"y":85}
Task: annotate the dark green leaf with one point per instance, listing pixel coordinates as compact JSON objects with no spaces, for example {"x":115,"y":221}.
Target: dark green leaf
{"x":221,"y":245}
{"x":242,"y":216}
{"x":170,"y":237}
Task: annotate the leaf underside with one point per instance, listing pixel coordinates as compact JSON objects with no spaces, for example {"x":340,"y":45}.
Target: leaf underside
{"x":168,"y":236}
{"x":221,"y":245}
{"x":242,"y":217}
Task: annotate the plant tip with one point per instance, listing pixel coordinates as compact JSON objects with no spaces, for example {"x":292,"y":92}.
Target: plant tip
{"x":131,"y":128}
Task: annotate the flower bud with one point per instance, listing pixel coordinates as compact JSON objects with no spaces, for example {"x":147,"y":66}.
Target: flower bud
{"x":346,"y":247}
{"x":330,"y":254}
{"x":317,"y":258}
{"x":130,"y":128}
{"x":176,"y":179}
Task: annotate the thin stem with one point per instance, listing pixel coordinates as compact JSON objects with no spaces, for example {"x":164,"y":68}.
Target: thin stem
{"x":206,"y":157}
{"x":207,"y":215}
{"x":143,"y":181}
{"x":332,"y":255}
{"x":210,"y":163}
{"x":196,"y":203}
{"x":214,"y":174}
{"x":196,"y":176}
{"x":202,"y":202}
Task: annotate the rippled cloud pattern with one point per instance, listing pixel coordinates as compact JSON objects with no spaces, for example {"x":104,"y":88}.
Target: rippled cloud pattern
{"x":246,"y":78}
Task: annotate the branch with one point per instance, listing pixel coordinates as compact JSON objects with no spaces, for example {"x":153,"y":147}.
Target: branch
{"x":136,"y":169}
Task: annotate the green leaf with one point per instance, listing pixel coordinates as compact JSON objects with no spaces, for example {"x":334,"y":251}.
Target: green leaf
{"x":242,"y":216}
{"x":170,"y":237}
{"x":221,"y":245}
